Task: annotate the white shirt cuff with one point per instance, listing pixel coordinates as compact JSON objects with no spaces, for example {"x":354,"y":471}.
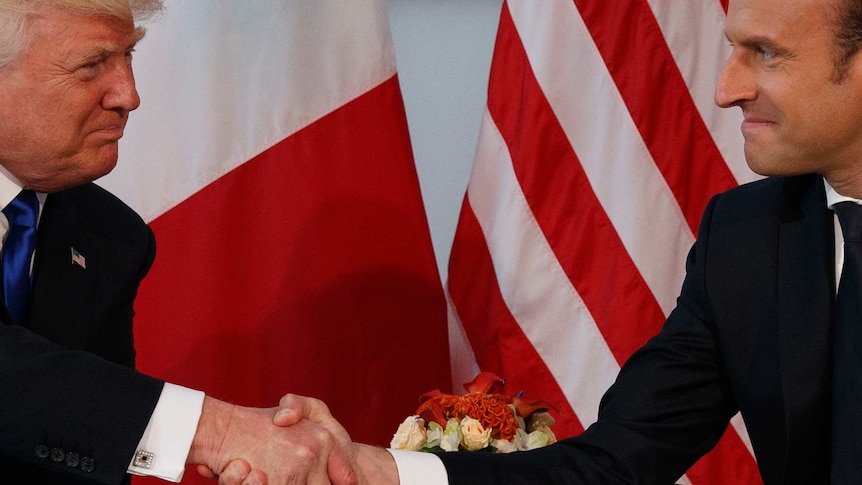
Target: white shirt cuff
{"x":418,"y":468}
{"x":166,"y":442}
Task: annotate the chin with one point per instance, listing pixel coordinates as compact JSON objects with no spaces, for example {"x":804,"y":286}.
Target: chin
{"x":768,"y":165}
{"x":101,"y":170}
{"x":756,"y":166}
{"x":777,"y":170}
{"x":73,"y":177}
{"x":97,"y":166}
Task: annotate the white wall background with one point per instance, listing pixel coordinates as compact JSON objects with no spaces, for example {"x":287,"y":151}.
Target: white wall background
{"x":443,"y":49}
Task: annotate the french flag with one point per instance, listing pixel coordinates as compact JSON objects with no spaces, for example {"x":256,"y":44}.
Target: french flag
{"x":271,"y":157}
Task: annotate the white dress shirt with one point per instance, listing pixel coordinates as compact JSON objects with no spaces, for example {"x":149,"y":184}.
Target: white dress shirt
{"x":419,"y":468}
{"x":170,"y":432}
{"x":172,"y":426}
{"x":833,"y":198}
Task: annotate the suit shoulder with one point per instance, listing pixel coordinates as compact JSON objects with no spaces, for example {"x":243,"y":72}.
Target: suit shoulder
{"x":780,"y":196}
{"x":101,"y":211}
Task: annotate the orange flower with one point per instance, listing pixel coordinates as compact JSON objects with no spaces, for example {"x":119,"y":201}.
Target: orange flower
{"x":480,"y":403}
{"x":493,"y":411}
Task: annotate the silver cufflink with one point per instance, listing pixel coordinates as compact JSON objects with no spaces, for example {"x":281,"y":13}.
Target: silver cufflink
{"x":143,"y":459}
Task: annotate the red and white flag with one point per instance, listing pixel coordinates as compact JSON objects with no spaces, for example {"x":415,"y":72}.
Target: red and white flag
{"x":598,"y":152}
{"x":271,"y":157}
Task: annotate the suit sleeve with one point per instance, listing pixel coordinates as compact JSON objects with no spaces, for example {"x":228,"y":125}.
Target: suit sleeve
{"x":670,"y":404}
{"x":72,"y":402}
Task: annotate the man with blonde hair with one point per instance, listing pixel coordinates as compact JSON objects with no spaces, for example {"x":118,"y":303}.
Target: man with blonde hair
{"x":72,"y":409}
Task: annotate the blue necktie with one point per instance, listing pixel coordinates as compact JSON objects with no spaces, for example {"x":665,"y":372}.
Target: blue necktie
{"x":18,"y":248}
{"x":847,"y":353}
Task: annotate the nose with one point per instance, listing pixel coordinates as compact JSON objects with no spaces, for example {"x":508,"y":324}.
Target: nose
{"x":736,"y":83}
{"x":121,"y":94}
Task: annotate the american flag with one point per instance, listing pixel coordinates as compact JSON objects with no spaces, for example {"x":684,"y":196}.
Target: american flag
{"x":598,"y":151}
{"x":78,"y":259}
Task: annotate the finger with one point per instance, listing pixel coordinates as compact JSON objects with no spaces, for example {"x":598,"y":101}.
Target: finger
{"x":341,"y":468}
{"x":206,"y":472}
{"x":317,"y":473}
{"x":256,"y":477}
{"x":234,"y":473}
{"x":315,"y":469}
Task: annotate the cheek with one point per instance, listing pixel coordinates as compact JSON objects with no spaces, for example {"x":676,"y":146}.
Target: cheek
{"x":48,"y":126}
{"x":831,"y":117}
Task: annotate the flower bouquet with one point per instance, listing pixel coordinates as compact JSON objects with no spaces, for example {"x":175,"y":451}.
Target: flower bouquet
{"x":479,"y":420}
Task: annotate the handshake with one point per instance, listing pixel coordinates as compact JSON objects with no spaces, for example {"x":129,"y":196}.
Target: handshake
{"x":297,"y":442}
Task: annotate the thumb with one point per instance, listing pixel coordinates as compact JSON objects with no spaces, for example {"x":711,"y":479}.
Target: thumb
{"x":293,"y":408}
{"x":289,"y":412}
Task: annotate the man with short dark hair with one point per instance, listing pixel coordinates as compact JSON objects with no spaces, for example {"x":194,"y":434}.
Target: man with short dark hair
{"x":757,"y":327}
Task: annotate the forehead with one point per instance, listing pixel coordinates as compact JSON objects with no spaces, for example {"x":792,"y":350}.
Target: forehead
{"x":58,"y":31}
{"x":790,"y":20}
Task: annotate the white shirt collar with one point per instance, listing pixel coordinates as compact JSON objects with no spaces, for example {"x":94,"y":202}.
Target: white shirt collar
{"x":11,"y":186}
{"x":833,"y":197}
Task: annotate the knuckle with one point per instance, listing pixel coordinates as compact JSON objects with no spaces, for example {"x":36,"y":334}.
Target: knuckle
{"x":303,"y":452}
{"x":286,"y":399}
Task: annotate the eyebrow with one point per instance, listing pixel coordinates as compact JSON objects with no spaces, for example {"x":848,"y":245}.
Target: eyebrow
{"x":102,"y":52}
{"x":98,"y":52}
{"x":140,"y":33}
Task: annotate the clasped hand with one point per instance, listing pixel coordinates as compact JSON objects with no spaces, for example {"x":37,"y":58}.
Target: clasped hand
{"x":296,"y":443}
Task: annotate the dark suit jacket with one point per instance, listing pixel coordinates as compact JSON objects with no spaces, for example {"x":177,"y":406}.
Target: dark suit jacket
{"x":751,"y":332}
{"x":72,"y":410}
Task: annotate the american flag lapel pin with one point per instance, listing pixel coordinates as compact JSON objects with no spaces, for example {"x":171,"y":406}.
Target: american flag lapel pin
{"x":78,"y":258}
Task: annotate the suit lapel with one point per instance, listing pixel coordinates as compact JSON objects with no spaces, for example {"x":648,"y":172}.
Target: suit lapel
{"x":64,"y":292}
{"x":806,"y":283}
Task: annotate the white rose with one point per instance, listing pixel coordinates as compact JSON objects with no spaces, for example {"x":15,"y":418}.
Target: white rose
{"x":476,"y":436}
{"x":410,"y":435}
{"x":504,"y":446}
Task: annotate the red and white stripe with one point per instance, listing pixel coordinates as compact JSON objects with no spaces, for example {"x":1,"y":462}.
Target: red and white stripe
{"x":597,"y":155}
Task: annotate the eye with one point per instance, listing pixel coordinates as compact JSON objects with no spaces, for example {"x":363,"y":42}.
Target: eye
{"x":766,"y":54}
{"x":127,"y":56}
{"x":88,"y":71}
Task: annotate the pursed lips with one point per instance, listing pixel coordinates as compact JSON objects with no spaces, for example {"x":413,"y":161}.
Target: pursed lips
{"x":113,"y":131}
{"x":752,"y":123}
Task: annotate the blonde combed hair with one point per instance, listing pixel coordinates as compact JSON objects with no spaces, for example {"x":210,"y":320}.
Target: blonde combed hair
{"x":14,"y":15}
